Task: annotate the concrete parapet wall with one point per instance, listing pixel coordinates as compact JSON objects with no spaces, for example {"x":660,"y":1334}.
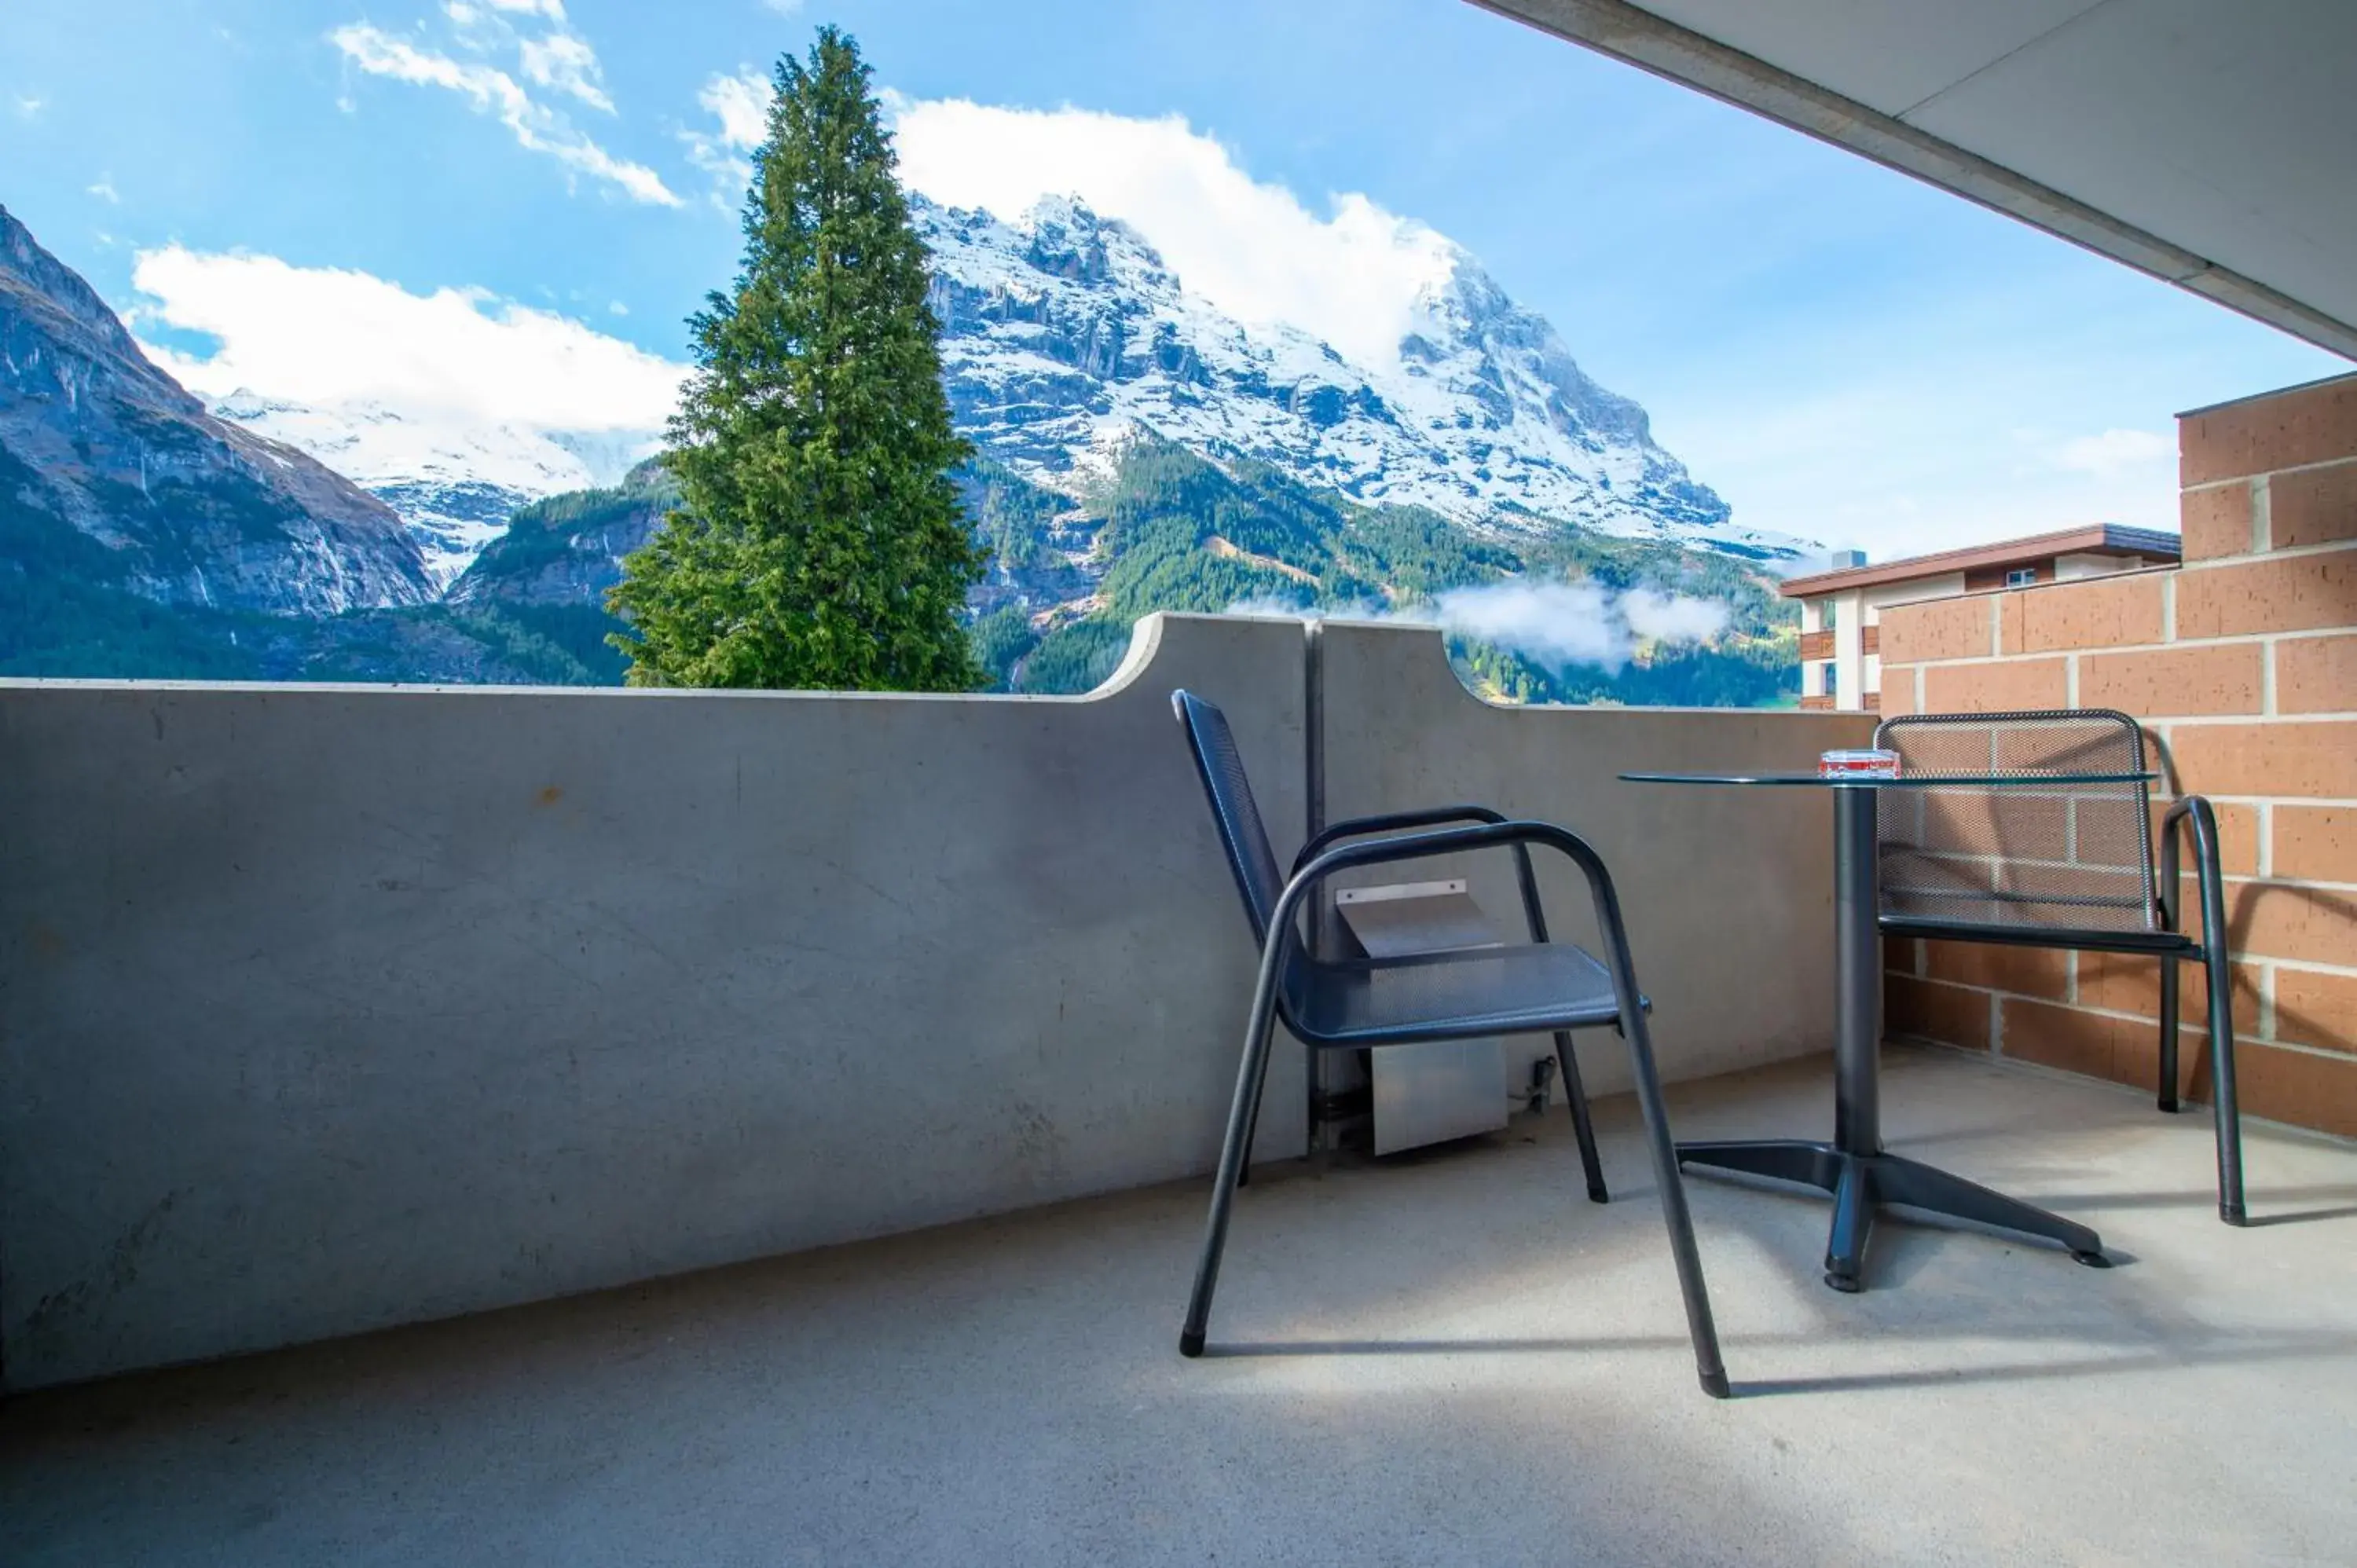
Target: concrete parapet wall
{"x":324,"y":1009}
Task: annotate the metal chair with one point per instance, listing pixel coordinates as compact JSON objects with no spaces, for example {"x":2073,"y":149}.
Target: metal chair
{"x":1544,"y":988}
{"x":2070,"y":867}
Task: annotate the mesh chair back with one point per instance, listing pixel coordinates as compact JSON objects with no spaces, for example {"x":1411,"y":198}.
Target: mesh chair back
{"x":2072,"y":857}
{"x":1258,"y":877}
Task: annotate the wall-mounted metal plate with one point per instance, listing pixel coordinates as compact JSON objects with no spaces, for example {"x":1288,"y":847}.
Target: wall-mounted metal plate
{"x":1447,"y":1089}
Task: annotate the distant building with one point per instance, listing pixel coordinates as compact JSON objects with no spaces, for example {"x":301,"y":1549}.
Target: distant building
{"x":1841,"y":610}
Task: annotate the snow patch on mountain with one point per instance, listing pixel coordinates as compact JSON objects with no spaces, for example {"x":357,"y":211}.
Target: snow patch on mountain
{"x":1063,"y":329}
{"x":455,"y":482}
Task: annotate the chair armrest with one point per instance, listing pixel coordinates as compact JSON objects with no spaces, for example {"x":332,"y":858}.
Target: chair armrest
{"x":1391,"y":823}
{"x":1534,"y":915}
{"x":1516,"y":836}
{"x":2195,"y":811}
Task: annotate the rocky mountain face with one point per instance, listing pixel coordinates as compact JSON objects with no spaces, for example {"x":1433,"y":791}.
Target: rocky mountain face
{"x":456,"y":482}
{"x":112,"y":476}
{"x":1065,"y":336}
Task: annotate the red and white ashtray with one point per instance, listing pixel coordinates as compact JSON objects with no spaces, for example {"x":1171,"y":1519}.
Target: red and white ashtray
{"x":1858,"y":765}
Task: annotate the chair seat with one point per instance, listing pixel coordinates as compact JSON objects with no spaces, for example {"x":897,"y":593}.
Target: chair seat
{"x":2146,"y":940}
{"x":1480,"y":991}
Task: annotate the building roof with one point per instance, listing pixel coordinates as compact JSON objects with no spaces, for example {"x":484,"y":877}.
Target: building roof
{"x":2102,"y":539}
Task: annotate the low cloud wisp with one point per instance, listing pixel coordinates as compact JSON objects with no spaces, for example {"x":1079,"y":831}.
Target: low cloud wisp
{"x":1554,"y":625}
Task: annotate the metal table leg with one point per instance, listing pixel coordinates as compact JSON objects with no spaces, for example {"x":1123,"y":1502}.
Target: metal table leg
{"x":1853,"y":1169}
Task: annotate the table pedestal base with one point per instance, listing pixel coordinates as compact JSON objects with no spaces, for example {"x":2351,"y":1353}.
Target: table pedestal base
{"x":1859,"y":1183}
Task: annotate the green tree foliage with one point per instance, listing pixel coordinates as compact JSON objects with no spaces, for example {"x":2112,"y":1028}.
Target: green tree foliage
{"x":1077,"y":657}
{"x":819,"y":541}
{"x":1000,"y":638}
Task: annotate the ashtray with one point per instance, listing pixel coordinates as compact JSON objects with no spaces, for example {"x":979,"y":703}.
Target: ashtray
{"x":1858,"y":765}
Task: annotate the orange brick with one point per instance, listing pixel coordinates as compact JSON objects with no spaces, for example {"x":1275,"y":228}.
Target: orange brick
{"x":1951,"y":1014}
{"x":2122,"y":984}
{"x":2238,"y":837}
{"x":1993,"y":966}
{"x":2311,"y":758}
{"x":1941,"y":628}
{"x":2217,"y":521}
{"x":1900,"y":955}
{"x":2315,"y":506}
{"x":2008,"y":624}
{"x":2306,"y":593}
{"x":2299,"y":1087}
{"x":2176,"y":681}
{"x":2286,"y":920}
{"x":2317,"y":843}
{"x":2314,"y":424}
{"x":2317,"y":1009}
{"x":1897,"y":691}
{"x":2102,"y":612}
{"x":2315,"y":675}
{"x":2010,"y":683}
{"x":2125,"y":1051}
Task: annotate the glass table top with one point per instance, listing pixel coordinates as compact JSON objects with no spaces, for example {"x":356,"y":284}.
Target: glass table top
{"x":1904,"y":781}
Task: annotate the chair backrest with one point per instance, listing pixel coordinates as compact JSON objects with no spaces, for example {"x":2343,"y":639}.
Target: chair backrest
{"x":1258,"y":875}
{"x":2074,"y":856}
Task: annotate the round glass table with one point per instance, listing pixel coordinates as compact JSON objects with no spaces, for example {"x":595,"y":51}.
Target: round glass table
{"x":1853,"y":1168}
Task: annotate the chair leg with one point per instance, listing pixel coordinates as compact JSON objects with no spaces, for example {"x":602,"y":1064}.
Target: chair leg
{"x":2168,"y":1085}
{"x":2221,"y":1083}
{"x":1705,"y":1333}
{"x":1580,"y":1124}
{"x":1249,"y":1075}
{"x":1252,"y":1126}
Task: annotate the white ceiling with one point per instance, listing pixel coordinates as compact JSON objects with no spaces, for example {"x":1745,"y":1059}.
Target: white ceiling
{"x":2210,"y":142}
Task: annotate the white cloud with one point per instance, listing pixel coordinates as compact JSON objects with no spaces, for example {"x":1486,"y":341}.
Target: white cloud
{"x":323,"y":335}
{"x":1553,"y":623}
{"x":2114,"y":451}
{"x":1253,"y":249}
{"x":783,"y":8}
{"x":28,"y":106}
{"x":1673,"y":617}
{"x":566,"y":62}
{"x":103,"y":189}
{"x":491,"y":91}
{"x":1561,"y":624}
{"x":740,"y":105}
{"x":552,"y":9}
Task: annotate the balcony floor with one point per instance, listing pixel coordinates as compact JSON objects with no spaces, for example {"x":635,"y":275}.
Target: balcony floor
{"x":1453,"y":1357}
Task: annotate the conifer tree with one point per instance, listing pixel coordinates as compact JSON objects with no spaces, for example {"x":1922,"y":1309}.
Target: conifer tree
{"x":819,"y":541}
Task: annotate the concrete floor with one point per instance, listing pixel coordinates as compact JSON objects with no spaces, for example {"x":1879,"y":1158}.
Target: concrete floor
{"x":1450,"y":1358}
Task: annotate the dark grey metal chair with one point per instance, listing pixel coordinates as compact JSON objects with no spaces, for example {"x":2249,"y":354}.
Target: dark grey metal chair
{"x":1544,"y":988}
{"x":2070,"y":868}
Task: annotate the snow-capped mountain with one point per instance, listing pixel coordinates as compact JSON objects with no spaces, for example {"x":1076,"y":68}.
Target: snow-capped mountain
{"x":1064,"y":335}
{"x":1063,"y":332}
{"x":114,"y":479}
{"x":454,"y":482}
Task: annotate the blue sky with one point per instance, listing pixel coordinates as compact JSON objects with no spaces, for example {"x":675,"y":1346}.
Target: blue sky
{"x":513,"y":204}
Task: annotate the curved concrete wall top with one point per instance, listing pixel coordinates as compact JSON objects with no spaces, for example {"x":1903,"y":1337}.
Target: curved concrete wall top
{"x":323,"y":1009}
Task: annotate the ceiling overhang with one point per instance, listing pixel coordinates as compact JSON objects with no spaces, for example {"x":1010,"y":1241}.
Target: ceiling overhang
{"x":2121,"y":125}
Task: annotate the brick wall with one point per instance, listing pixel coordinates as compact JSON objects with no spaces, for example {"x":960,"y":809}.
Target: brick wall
{"x":2243,"y":664}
